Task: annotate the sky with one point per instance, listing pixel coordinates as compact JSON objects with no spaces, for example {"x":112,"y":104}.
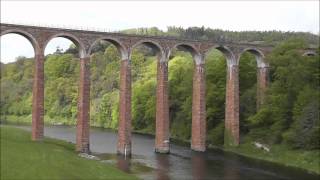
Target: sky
{"x":119,"y":15}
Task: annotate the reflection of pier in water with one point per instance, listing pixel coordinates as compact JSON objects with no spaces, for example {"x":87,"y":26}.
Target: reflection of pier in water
{"x":123,"y":163}
{"x":231,"y":168}
{"x":199,"y":166}
{"x":163,"y":166}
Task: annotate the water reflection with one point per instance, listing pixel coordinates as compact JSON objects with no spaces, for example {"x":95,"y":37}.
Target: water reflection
{"x":231,"y":168}
{"x":163,"y":167}
{"x":199,"y":166}
{"x":123,"y":163}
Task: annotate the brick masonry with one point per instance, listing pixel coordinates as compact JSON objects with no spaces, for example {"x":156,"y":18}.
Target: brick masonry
{"x":198,"y":136}
{"x":262,"y":84}
{"x":83,"y":120}
{"x":40,"y":36}
{"x":38,"y":98}
{"x":162,"y":109}
{"x":231,"y":136}
{"x":124,"y":129}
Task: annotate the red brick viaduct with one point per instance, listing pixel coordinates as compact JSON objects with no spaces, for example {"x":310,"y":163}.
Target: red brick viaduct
{"x":85,"y":40}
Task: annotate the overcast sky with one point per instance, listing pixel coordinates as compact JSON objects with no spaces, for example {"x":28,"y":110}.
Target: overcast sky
{"x":112,"y":15}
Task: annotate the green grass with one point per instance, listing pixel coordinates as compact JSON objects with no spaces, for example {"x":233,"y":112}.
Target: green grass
{"x":24,"y":159}
{"x":26,"y":120}
{"x":308,"y":160}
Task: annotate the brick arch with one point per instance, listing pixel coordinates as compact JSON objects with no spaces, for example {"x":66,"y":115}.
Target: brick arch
{"x":152,"y":44}
{"x":72,"y":38}
{"x":26,"y":35}
{"x":226,"y":51}
{"x":120,"y":47}
{"x":197,"y":57}
{"x":309,"y":53}
{"x":187,"y":47}
{"x":259,"y":55}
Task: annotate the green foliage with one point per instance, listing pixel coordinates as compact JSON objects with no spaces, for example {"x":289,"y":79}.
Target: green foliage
{"x":180,"y":95}
{"x":215,"y":96}
{"x":216,"y":135}
{"x":291,"y":112}
{"x":305,"y":131}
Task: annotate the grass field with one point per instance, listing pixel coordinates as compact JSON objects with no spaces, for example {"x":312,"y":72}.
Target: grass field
{"x":308,"y":160}
{"x":24,"y":159}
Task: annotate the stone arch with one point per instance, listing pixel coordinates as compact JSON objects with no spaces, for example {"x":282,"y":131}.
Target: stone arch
{"x":260,"y":58}
{"x":25,"y":34}
{"x":72,"y":38}
{"x":152,"y":44}
{"x":120,"y":47}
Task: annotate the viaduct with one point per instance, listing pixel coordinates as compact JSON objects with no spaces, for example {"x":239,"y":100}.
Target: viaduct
{"x":85,"y":40}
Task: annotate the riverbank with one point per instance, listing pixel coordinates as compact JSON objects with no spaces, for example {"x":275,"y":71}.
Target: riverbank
{"x":307,"y":160}
{"x":279,"y":154}
{"x":22,"y":158}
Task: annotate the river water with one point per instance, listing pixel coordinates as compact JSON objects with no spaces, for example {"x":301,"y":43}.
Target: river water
{"x":181,"y":163}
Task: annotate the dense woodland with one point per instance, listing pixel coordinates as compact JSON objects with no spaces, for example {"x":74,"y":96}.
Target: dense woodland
{"x":218,"y":35}
{"x":289,"y":117}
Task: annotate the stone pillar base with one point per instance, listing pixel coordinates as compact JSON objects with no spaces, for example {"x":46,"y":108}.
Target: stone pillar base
{"x":84,"y":149}
{"x":199,"y":148}
{"x":165,"y":150}
{"x":125,"y":151}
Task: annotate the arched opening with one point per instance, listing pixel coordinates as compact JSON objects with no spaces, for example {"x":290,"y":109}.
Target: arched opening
{"x":105,"y":59}
{"x":216,"y":75}
{"x":181,"y":69}
{"x":17,"y":67}
{"x":145,"y":56}
{"x":309,"y":53}
{"x":251,"y":62}
{"x":61,"y":77}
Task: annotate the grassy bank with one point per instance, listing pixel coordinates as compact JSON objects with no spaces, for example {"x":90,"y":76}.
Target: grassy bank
{"x":308,"y":160}
{"x":26,"y":120}
{"x":24,"y":159}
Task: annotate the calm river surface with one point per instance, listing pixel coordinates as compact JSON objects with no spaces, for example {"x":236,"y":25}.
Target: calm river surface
{"x":181,"y":163}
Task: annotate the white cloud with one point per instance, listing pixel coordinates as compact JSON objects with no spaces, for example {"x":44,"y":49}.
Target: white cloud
{"x":112,"y":15}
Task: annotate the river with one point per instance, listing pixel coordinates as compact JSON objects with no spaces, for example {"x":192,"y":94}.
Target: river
{"x":181,"y":163}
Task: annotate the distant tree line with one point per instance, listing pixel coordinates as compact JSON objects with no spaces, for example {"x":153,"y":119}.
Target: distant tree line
{"x":218,"y":35}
